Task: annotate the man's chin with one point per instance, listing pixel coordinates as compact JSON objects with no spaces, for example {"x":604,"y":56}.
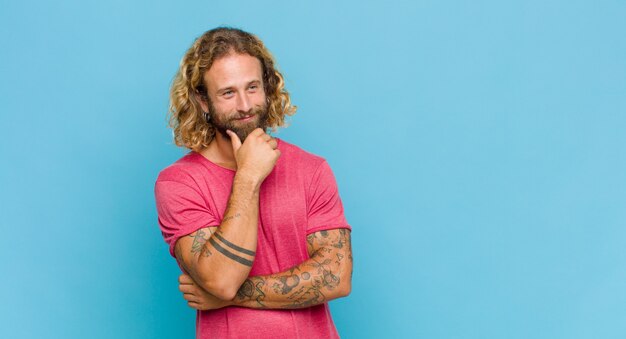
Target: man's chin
{"x":243,"y":132}
{"x":243,"y":129}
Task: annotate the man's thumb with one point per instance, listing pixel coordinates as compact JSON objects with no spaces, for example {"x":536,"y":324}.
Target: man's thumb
{"x":234,"y":140}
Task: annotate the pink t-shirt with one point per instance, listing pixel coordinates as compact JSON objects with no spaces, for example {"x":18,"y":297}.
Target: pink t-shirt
{"x":297,"y":198}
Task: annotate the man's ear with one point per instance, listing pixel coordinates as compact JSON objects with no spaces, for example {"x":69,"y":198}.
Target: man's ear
{"x":202,"y":100}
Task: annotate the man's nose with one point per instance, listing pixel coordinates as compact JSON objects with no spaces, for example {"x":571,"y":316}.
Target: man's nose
{"x":243,"y":103}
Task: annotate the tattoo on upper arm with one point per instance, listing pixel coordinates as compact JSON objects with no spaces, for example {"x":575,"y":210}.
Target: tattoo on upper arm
{"x":323,"y":240}
{"x":199,"y":242}
{"x":339,"y":257}
{"x":325,"y":249}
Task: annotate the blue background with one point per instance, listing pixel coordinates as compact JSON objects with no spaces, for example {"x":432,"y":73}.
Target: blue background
{"x":478,"y":147}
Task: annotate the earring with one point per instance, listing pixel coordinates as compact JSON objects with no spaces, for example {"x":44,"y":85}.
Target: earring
{"x":207,"y":117}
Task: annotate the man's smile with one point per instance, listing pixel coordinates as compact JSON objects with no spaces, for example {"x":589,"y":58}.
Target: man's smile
{"x":245,"y":118}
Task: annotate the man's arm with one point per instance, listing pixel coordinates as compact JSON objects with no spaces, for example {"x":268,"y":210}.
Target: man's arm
{"x":325,"y":276}
{"x":219,"y":260}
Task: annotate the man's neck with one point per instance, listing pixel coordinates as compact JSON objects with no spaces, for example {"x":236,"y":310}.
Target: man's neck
{"x":220,"y":152}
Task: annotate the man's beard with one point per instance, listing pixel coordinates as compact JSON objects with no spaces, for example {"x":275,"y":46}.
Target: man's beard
{"x":223,"y":122}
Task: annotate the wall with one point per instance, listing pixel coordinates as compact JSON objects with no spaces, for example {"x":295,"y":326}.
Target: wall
{"x":478,"y":147}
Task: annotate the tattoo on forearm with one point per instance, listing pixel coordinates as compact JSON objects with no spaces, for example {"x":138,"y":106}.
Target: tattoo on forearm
{"x":306,"y":297}
{"x":233,"y":246}
{"x":285,"y":284}
{"x":200,"y":245}
{"x":304,"y":285}
{"x":291,"y":285}
{"x":236,"y":215}
{"x":325,"y":277}
{"x":229,"y":254}
{"x":252,"y":289}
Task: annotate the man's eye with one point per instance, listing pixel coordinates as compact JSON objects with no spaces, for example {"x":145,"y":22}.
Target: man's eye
{"x":253,"y":87}
{"x":228,"y":93}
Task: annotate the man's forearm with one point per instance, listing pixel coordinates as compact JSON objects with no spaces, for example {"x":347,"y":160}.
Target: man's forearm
{"x":231,"y":249}
{"x":324,"y":277}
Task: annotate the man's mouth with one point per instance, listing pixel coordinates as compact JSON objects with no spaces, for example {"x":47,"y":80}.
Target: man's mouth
{"x":245,"y":117}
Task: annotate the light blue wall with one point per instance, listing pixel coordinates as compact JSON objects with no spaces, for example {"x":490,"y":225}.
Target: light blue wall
{"x":478,"y":147}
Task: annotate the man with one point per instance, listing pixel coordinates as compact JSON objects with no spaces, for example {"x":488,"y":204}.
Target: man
{"x":255,"y":223}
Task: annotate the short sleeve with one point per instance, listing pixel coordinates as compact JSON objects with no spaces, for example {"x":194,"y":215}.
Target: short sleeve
{"x":325,"y":210}
{"x":182,"y":211}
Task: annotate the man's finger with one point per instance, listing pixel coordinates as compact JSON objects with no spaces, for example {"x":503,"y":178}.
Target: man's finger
{"x":273,"y":143}
{"x":185,"y":279}
{"x":266,"y":137}
{"x":190,"y":297}
{"x":257,"y":132}
{"x":186,"y":288}
{"x":234,"y":140}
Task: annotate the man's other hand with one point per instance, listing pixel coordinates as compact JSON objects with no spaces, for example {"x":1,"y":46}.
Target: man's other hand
{"x":197,"y":297}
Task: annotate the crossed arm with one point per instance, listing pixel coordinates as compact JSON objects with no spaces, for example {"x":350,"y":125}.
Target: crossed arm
{"x":325,"y":276}
{"x":229,"y":250}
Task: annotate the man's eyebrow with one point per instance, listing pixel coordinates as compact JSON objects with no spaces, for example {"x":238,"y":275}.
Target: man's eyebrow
{"x":251,"y":82}
{"x":254,"y":82}
{"x":223,"y":89}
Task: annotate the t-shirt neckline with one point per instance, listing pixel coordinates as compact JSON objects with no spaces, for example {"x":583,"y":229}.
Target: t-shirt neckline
{"x":278,"y":142}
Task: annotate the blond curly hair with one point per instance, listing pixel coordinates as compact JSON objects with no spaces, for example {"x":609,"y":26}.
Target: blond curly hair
{"x":186,"y":117}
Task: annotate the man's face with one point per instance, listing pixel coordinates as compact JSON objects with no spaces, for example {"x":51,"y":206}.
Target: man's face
{"x":237,"y":98}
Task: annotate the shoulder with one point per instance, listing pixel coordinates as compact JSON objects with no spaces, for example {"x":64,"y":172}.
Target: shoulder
{"x":184,"y":170}
{"x":296,"y":156}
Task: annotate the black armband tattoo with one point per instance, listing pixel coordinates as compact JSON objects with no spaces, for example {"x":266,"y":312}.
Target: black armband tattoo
{"x":233,"y":246}
{"x":229,"y":254}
